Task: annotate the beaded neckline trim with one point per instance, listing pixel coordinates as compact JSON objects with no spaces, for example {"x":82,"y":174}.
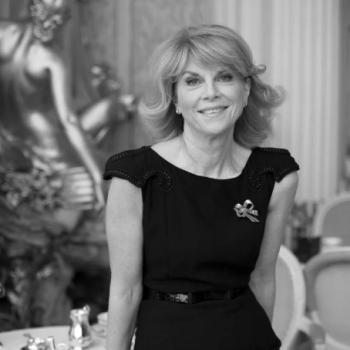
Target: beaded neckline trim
{"x":202,"y":176}
{"x":166,"y":181}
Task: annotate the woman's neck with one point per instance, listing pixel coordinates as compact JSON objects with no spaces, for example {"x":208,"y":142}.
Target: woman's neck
{"x":216,"y":158}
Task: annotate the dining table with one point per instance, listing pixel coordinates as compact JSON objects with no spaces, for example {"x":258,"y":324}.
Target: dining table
{"x":16,"y":339}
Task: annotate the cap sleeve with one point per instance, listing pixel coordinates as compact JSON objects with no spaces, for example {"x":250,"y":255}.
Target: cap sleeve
{"x":136,"y":166}
{"x":275,"y":161}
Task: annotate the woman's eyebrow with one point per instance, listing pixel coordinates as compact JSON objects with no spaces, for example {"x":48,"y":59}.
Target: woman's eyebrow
{"x":224,"y":71}
{"x":189,"y":72}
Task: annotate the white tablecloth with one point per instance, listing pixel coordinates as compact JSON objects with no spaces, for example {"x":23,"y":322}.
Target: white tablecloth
{"x":15,"y":340}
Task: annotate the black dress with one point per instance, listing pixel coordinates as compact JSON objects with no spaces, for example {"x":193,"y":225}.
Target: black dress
{"x":195,"y":241}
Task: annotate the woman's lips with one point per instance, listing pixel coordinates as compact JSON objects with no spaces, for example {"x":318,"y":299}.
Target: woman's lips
{"x":212,"y":111}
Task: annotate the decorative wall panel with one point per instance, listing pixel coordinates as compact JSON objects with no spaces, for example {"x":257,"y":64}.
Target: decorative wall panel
{"x":4,"y":8}
{"x":13,"y":8}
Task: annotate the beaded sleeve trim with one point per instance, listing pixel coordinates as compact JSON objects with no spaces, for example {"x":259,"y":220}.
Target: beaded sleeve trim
{"x":165,"y":181}
{"x":255,"y":180}
{"x":273,"y":150}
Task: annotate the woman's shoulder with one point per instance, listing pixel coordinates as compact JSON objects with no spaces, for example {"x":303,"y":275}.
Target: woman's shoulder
{"x":137,"y":166}
{"x":129,"y":161}
{"x":277,"y":161}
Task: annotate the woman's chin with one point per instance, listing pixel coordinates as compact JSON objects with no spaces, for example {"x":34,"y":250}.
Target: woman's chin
{"x":217,"y":125}
{"x":217,"y":130}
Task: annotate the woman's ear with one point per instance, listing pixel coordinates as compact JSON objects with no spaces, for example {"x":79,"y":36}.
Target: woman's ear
{"x":247,"y":86}
{"x":176,"y":108}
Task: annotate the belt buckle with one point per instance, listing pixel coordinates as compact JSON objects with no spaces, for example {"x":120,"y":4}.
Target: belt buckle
{"x":179,"y":298}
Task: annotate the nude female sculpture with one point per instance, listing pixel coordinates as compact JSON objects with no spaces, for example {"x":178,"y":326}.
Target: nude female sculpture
{"x":36,"y":114}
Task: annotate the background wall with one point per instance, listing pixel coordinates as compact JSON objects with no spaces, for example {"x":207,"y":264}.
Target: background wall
{"x":344,"y":95}
{"x":11,"y":8}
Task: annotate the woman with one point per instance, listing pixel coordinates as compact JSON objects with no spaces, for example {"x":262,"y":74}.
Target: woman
{"x":195,"y":222}
{"x":36,"y":109}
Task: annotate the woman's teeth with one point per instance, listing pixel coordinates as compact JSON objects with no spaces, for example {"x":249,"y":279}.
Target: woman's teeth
{"x":213,"y":111}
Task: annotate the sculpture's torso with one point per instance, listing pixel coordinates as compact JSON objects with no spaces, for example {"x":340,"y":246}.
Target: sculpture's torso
{"x":29,"y":115}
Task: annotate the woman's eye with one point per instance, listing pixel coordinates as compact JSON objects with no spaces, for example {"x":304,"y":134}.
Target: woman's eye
{"x":225,"y":78}
{"x":192,"y":81}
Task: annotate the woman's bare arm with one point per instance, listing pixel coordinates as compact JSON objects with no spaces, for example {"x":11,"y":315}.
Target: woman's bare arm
{"x":125,"y":241}
{"x":262,"y":279}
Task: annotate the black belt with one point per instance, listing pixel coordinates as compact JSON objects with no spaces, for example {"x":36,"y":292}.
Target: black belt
{"x":192,"y":297}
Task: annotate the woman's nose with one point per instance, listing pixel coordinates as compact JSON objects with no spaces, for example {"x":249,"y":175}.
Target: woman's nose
{"x":211,"y":90}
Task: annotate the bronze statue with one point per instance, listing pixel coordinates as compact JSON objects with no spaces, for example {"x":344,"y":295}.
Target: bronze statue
{"x":37,"y":123}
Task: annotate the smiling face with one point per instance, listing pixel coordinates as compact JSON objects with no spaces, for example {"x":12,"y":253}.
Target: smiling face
{"x":210,"y":99}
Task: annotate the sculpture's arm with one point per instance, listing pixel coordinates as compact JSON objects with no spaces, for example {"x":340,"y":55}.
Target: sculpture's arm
{"x":76,"y":135}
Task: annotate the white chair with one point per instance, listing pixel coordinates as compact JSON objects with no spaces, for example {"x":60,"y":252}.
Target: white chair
{"x":328,"y":296}
{"x":289,"y":310}
{"x":332,"y":218}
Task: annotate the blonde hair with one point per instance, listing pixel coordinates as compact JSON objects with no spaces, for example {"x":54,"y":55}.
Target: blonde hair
{"x":209,"y":45}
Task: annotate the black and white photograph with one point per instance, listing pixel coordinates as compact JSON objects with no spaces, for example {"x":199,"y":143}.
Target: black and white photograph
{"x":174,"y":174}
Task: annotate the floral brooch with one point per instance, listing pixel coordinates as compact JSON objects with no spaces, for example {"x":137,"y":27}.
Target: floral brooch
{"x":246,"y":210}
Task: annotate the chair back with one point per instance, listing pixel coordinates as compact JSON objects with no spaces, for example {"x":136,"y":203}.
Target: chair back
{"x":333,"y":218}
{"x":328,"y":295}
{"x":290,"y":298}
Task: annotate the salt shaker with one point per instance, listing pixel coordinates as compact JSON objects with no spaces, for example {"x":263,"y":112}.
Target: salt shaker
{"x":51,"y":343}
{"x":80,"y":331}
